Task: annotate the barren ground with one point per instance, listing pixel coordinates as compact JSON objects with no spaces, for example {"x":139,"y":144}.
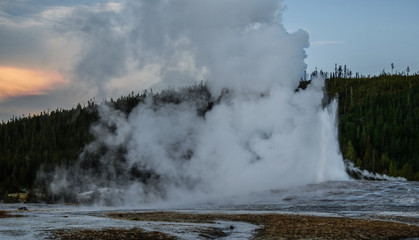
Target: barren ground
{"x":273,"y":226}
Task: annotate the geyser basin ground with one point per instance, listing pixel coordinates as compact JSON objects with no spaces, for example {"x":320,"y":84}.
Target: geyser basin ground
{"x":331,"y":210}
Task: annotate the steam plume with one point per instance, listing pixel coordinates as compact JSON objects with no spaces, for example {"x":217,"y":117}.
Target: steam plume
{"x":258,"y":135}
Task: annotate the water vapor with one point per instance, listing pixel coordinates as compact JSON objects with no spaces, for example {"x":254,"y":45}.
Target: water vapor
{"x":249,"y":131}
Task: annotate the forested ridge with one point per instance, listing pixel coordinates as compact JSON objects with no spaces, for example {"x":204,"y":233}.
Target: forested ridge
{"x":379,"y":122}
{"x":44,"y":141}
{"x":378,"y":128}
{"x":40,"y":144}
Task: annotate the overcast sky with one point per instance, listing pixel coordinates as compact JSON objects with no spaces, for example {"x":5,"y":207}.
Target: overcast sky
{"x":55,"y":54}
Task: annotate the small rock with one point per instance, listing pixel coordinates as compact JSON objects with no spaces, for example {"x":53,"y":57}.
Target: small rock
{"x":23,"y":209}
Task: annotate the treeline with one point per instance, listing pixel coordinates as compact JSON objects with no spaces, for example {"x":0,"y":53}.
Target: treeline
{"x":378,"y":128}
{"x":44,"y":141}
{"x":41,"y":143}
{"x":379,"y":122}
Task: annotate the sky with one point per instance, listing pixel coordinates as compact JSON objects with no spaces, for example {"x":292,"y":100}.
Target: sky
{"x":55,"y":54}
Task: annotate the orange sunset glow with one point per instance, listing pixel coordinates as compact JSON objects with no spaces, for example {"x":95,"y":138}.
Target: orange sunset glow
{"x":21,"y":81}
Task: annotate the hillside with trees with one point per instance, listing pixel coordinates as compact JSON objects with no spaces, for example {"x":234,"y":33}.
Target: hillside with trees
{"x":379,"y":122}
{"x":29,"y":144}
{"x":378,"y":129}
{"x":40,"y":144}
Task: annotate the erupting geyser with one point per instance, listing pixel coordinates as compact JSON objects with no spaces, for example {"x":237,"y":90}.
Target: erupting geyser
{"x":258,"y":133}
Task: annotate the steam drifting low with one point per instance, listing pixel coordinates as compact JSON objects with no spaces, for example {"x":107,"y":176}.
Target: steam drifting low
{"x":245,"y":131}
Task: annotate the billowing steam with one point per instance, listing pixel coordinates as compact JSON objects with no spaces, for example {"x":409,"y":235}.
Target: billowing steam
{"x":246,"y":131}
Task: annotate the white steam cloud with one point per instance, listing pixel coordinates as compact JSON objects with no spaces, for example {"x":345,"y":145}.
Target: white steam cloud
{"x":259,"y":135}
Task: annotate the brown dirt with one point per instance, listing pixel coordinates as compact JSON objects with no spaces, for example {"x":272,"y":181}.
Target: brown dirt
{"x":108,"y":233}
{"x":6,"y":214}
{"x":280,"y":226}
